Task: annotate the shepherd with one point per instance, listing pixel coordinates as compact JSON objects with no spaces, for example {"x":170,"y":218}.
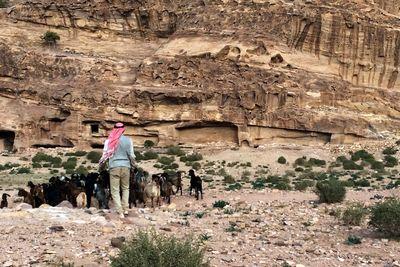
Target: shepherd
{"x":118,"y":151}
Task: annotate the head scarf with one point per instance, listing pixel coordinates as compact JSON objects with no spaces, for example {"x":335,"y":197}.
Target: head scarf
{"x":112,"y":142}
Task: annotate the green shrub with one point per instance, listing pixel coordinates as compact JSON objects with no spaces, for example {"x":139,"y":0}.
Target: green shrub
{"x":23,"y":170}
{"x":138,"y":156}
{"x":79,"y":153}
{"x":341,"y":159}
{"x":353,"y":240}
{"x":385,"y":216}
{"x":362,"y":154}
{"x":281,"y":185}
{"x":235,"y":186}
{"x":166,"y":160}
{"x":200,"y":214}
{"x":50,"y":38}
{"x":330,"y":191}
{"x":298,"y":169}
{"x":3,"y":3}
{"x":156,"y":250}
{"x":377,"y":165}
{"x":303,"y":185}
{"x":70,"y":164}
{"x":316,"y":162}
{"x":82,"y":170}
{"x":196,"y":165}
{"x":351,"y":165}
{"x":281,"y":160}
{"x":36,"y":165}
{"x":149,"y":155}
{"x":42,"y":157}
{"x":220,"y":204}
{"x":228,"y":179}
{"x":259,"y":183}
{"x":389,"y":151}
{"x":390,"y":161}
{"x":354,"y":214}
{"x":362,"y":183}
{"x":94,"y":156}
{"x":175,"y":150}
{"x":192,"y":157}
{"x":148,"y":144}
{"x":53,"y":171}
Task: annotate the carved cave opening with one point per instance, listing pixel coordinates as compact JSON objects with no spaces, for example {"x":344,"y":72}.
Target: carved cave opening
{"x":7,"y":140}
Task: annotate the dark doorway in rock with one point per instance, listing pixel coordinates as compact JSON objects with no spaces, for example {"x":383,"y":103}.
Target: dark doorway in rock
{"x":7,"y":140}
{"x":94,"y":128}
{"x":245,"y":143}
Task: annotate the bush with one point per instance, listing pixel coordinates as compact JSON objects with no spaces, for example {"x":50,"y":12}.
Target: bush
{"x":385,"y":216}
{"x":166,"y":160}
{"x":148,"y":144}
{"x":299,"y":169}
{"x":354,"y":214}
{"x":389,"y":151}
{"x":151,"y":249}
{"x":377,"y":165}
{"x":351,"y":165}
{"x":138,"y":156}
{"x":76,"y":154}
{"x":362,"y":183}
{"x":70,"y":164}
{"x":149,"y":155}
{"x":175,"y":150}
{"x":196,"y":166}
{"x":330,"y":191}
{"x":50,"y":38}
{"x":281,"y":160}
{"x":23,"y":170}
{"x":353,"y":240}
{"x":36,"y":165}
{"x":82,"y":170}
{"x":228,"y":179}
{"x":362,"y":154}
{"x":192,"y":157}
{"x":3,"y":3}
{"x":42,"y":157}
{"x":390,"y":161}
{"x":94,"y":156}
{"x":303,"y":185}
{"x":259,"y":183}
{"x":235,"y":186}
{"x":220,"y":204}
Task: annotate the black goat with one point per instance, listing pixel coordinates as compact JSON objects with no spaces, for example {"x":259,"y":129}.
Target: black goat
{"x":195,"y":183}
{"x":4,"y":202}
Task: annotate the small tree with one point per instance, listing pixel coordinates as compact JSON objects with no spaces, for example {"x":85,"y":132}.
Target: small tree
{"x":50,"y":38}
{"x":385,"y":216}
{"x":281,"y":160}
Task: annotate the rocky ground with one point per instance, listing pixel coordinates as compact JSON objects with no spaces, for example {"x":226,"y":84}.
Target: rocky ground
{"x":266,"y":227}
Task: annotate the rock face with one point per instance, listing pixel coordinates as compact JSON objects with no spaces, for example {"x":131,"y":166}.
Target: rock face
{"x":195,"y":72}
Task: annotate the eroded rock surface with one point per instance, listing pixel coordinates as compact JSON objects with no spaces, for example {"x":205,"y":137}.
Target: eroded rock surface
{"x":194,"y":72}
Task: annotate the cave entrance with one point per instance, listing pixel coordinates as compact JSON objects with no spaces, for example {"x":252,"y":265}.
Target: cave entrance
{"x":7,"y":140}
{"x":94,"y":129}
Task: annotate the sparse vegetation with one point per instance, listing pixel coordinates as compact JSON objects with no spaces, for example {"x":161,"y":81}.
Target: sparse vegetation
{"x":50,"y":38}
{"x":331,"y":191}
{"x":166,"y":160}
{"x":389,"y":151}
{"x":354,"y":214}
{"x":23,"y":170}
{"x":385,"y":216}
{"x":220,"y":204}
{"x":152,"y":249}
{"x":391,"y":161}
{"x":192,"y":157}
{"x":94,"y":156}
{"x":353,"y":240}
{"x":234,"y":186}
{"x":79,"y":153}
{"x":281,"y":160}
{"x":82,"y":170}
{"x":42,"y":157}
{"x":148,"y":144}
{"x":149,"y":155}
{"x":303,"y":184}
{"x":175,"y":150}
{"x":3,"y":3}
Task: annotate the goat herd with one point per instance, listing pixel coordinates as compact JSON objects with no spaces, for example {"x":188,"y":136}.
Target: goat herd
{"x":79,"y":189}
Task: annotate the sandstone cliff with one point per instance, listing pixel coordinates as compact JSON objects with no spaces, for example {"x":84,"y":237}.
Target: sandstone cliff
{"x":198,"y":71}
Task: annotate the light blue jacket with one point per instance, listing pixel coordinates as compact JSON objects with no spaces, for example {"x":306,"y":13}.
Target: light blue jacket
{"x":122,"y":154}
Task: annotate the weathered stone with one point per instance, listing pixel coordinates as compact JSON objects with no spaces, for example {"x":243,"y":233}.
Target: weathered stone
{"x":118,"y":242}
{"x":23,"y":206}
{"x":65,"y":204}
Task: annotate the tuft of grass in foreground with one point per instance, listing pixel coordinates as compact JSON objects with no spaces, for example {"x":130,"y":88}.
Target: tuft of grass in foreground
{"x":157,"y":250}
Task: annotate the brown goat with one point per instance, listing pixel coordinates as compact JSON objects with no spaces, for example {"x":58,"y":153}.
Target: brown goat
{"x":26,"y":195}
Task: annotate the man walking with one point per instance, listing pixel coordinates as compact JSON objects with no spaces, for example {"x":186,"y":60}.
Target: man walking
{"x":118,"y":150}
